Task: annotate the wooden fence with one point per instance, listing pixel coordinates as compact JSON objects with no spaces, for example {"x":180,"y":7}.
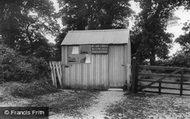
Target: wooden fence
{"x":56,"y":73}
{"x":161,"y":79}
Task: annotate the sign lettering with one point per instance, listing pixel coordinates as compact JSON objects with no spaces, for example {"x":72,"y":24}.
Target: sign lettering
{"x":100,"y":49}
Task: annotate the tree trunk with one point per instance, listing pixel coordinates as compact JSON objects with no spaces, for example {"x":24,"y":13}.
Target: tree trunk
{"x":152,"y":58}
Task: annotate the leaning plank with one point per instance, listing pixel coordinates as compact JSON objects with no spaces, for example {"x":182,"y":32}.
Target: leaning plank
{"x":54,"y":72}
{"x":51,"y":72}
{"x":59,"y":72}
{"x":159,"y":79}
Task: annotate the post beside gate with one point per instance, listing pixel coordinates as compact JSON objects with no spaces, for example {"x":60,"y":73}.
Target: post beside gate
{"x":134,"y":75}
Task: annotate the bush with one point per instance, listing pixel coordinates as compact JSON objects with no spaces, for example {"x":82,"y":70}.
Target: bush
{"x":15,"y":67}
{"x":40,"y":67}
{"x":181,"y":59}
{"x":30,"y":90}
{"x":8,"y":63}
{"x":147,"y":76}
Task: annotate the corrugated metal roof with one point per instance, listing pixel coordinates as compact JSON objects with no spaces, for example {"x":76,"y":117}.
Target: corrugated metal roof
{"x":112,"y":36}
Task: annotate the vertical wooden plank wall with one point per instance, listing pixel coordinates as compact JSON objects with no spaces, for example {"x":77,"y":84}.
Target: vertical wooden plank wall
{"x":97,"y":74}
{"x":92,"y":75}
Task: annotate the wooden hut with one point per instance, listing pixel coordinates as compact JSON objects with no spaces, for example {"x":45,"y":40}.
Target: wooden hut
{"x":96,"y":59}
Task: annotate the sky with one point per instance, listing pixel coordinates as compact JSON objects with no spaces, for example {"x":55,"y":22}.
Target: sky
{"x":176,"y":29}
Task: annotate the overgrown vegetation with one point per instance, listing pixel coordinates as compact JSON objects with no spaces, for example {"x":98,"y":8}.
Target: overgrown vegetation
{"x":15,"y":67}
{"x":180,"y":59}
{"x":31,"y":90}
{"x":33,"y":73}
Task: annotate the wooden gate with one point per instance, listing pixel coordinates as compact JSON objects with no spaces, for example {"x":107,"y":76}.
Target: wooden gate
{"x":160,"y":79}
{"x":56,"y":73}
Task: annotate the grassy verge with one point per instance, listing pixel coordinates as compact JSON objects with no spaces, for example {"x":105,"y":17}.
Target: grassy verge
{"x":31,"y":90}
{"x":68,"y":102}
{"x":151,"y":106}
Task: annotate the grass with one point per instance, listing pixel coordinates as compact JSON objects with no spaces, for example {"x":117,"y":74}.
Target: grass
{"x":68,"y":102}
{"x":37,"y":94}
{"x":31,"y":90}
{"x":145,"y":106}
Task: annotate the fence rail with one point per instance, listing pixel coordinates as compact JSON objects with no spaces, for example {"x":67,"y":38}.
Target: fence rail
{"x":160,"y":81}
{"x":56,"y":73}
{"x":163,"y":67}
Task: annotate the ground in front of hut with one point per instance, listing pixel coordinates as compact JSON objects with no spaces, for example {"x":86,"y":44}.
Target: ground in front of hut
{"x":81,"y":104}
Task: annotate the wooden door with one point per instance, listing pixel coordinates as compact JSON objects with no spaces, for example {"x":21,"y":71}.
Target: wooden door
{"x":116,"y":66}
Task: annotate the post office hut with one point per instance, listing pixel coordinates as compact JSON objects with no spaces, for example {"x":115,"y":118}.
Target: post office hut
{"x":96,"y":59}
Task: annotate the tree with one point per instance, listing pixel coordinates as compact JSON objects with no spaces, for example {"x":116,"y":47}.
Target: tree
{"x":95,"y":14}
{"x":59,"y":40}
{"x":149,"y":37}
{"x":182,"y":57}
{"x":183,"y":40}
{"x":24,"y":24}
{"x":91,"y":15}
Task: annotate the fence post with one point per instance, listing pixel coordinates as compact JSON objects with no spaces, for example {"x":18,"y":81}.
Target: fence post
{"x":160,"y":86}
{"x":181,"y":83}
{"x":134,"y":75}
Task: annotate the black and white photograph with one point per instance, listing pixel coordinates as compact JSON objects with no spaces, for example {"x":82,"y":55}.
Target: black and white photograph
{"x":94,"y":59}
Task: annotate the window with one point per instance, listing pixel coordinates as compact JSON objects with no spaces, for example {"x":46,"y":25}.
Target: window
{"x":79,"y":54}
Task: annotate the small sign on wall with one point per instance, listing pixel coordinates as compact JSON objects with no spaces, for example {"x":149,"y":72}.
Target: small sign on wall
{"x":99,"y":49}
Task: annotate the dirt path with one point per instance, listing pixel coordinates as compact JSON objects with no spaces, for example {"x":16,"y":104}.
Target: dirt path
{"x":105,"y":99}
{"x":97,"y":110}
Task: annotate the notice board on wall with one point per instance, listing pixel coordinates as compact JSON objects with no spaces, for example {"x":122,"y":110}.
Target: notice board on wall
{"x":79,"y":54}
{"x":99,"y":49}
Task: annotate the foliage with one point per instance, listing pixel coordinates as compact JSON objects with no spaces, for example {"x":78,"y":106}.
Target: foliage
{"x":15,"y":67}
{"x":180,"y":59}
{"x":10,"y":62}
{"x":24,"y":23}
{"x":92,"y":14}
{"x":149,"y":37}
{"x":183,"y":40}
{"x":30,"y":90}
{"x":95,"y":14}
{"x":59,"y":40}
{"x":40,"y":67}
{"x":147,"y":76}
